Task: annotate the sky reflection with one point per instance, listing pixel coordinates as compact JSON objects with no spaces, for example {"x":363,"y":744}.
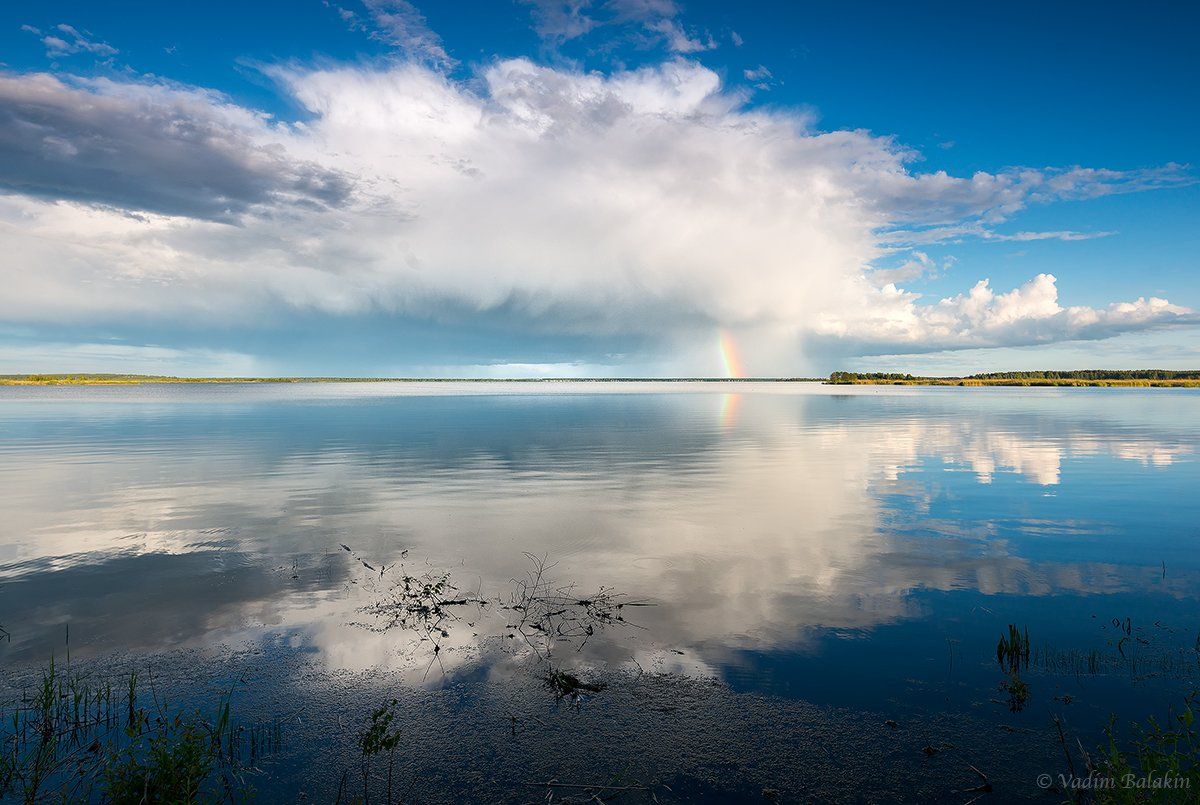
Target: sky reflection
{"x":767,"y":519}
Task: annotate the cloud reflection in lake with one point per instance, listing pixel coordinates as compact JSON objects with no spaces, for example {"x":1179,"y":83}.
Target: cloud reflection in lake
{"x":158,"y":518}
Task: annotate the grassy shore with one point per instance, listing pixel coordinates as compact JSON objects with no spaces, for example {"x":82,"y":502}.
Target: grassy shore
{"x":128,"y":380}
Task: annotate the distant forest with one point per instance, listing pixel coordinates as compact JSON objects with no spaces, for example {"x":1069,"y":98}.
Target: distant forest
{"x":1048,"y":376}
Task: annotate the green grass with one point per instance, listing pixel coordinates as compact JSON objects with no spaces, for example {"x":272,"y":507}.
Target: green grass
{"x":124,"y":380}
{"x":86,"y":379}
{"x":1013,"y":649}
{"x":1160,"y":764}
{"x":77,"y":738}
{"x":1012,"y":652}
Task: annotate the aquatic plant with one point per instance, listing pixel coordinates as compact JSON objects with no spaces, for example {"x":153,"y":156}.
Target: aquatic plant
{"x":568,"y":686}
{"x":173,"y":763}
{"x":75,"y":738}
{"x":1013,"y":649}
{"x":1171,"y":661}
{"x":381,"y":734}
{"x":1137,"y":652}
{"x":423,"y":603}
{"x":1017,"y":690}
{"x":551,"y":613}
{"x":1013,"y":652}
{"x":547,"y":613}
{"x":1161,"y":764}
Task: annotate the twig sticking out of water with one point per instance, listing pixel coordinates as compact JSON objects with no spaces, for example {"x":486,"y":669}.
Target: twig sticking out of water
{"x":552,"y":613}
{"x":984,"y":786}
{"x":548,"y":613}
{"x":423,"y":604}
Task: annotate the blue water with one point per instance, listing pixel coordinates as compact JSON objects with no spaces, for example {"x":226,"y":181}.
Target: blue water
{"x":859,"y":548}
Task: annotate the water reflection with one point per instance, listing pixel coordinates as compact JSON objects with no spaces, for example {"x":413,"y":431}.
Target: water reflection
{"x":755,"y":520}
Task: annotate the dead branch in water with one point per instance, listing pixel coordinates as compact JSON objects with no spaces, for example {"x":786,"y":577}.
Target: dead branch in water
{"x":553,"y":613}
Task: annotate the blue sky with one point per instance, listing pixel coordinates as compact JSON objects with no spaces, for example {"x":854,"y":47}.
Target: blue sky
{"x":548,"y":188}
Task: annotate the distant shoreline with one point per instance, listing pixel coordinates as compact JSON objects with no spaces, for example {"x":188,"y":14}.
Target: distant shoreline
{"x":1061,"y":383}
{"x":1150,"y":379}
{"x":1132,"y":378}
{"x":134,"y":380}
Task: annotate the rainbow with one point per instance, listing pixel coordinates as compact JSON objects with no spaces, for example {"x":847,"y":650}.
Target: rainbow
{"x":729,"y":355}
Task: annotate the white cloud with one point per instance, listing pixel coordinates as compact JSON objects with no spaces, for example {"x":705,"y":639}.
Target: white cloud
{"x":1028,"y":314}
{"x":677,"y":38}
{"x":650,"y":202}
{"x":919,"y":265}
{"x":560,"y":20}
{"x":67,"y":40}
{"x":644,"y":22}
{"x":1056,"y":235}
{"x":401,"y":24}
{"x":509,"y":371}
{"x":65,"y":358}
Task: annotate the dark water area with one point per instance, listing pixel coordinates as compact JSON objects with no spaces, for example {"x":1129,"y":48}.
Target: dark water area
{"x":791,"y":591}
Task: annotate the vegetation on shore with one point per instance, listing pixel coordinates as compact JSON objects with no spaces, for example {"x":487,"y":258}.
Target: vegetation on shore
{"x":1085,"y":377}
{"x":126,"y":380}
{"x":1079,"y":377}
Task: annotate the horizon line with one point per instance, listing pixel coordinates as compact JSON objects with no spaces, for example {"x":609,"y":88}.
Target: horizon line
{"x":80,"y":377}
{"x":67,"y":376}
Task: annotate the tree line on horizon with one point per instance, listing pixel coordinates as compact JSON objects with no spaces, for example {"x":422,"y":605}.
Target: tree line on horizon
{"x":1038,"y":374}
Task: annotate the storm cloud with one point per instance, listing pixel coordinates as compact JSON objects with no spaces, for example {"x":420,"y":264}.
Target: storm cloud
{"x":148,"y":148}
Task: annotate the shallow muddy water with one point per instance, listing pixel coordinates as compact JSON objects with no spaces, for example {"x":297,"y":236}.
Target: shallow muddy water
{"x":759,"y":576}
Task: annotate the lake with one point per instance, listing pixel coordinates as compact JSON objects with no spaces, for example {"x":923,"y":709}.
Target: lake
{"x":689,"y":591}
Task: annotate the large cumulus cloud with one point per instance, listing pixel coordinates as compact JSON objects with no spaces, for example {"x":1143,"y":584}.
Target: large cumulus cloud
{"x":652,"y":201}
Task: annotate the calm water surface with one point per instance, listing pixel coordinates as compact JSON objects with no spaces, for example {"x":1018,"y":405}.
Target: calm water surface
{"x":860,"y":548}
